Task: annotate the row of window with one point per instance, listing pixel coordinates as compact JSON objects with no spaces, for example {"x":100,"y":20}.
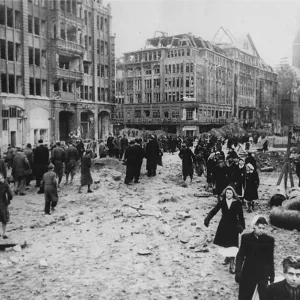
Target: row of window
{"x":144,"y":56}
{"x":179,"y":68}
{"x":155,"y":114}
{"x":179,"y":52}
{"x":36,"y":26}
{"x":9,"y":17}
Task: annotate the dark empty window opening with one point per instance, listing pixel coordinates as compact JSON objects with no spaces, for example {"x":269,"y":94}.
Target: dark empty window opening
{"x":101,"y":24}
{"x":62,"y":31}
{"x":18,"y":52}
{"x":17,"y":19}
{"x":31,"y":86}
{"x":86,"y":92}
{"x":3,"y":49}
{"x":69,"y":6}
{"x":10,"y":17}
{"x":65,"y":86}
{"x":147,"y":113}
{"x":166,"y":114}
{"x":62,"y":5}
{"x":2,"y":15}
{"x":3,"y":83}
{"x":56,"y":86}
{"x":29,"y":24}
{"x":38,"y":87}
{"x":64,"y":62}
{"x":37,"y":57}
{"x":10,"y":51}
{"x":30,"y":53}
{"x":70,"y":88}
{"x":37,"y":26}
{"x":98,"y":22}
{"x":71,"y":33}
{"x":86,"y":67}
{"x":90,"y":43}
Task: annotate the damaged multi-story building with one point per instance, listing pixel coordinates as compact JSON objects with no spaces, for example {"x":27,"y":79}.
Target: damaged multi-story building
{"x":186,"y":85}
{"x":57,"y":70}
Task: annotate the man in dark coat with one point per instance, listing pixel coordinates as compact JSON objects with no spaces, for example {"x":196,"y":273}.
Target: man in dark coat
{"x":110,"y":145}
{"x":41,"y":161}
{"x":188,"y":158}
{"x":3,"y":170}
{"x":139,"y":154}
{"x":232,"y":172}
{"x":57,"y":159}
{"x":71,"y":157}
{"x":289,"y":288}
{"x":220,"y":176}
{"x":86,"y":177}
{"x":50,"y":189}
{"x":20,"y":169}
{"x":29,"y":154}
{"x":124,"y":145}
{"x":152,"y":154}
{"x":130,"y":161}
{"x":255,"y":260}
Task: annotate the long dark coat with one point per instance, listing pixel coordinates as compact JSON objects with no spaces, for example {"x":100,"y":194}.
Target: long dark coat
{"x":71,"y":157}
{"x":227,"y":234}
{"x":50,"y":186}
{"x":255,"y":260}
{"x":5,"y":197}
{"x":86,"y":163}
{"x":220,"y":176}
{"x":278,"y":291}
{"x":40,"y":160}
{"x":232,"y":174}
{"x":251,"y":186}
{"x":58,"y":158}
{"x":20,"y":166}
{"x":188,"y":157}
{"x":210,"y":166}
{"x":240,"y":183}
{"x":3,"y":168}
{"x":152,"y":154}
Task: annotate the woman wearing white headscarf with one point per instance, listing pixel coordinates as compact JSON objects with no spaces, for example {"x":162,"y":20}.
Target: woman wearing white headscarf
{"x":231,"y":224}
{"x":251,"y":186}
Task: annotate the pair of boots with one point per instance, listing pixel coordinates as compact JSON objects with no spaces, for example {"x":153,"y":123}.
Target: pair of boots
{"x":250,"y":205}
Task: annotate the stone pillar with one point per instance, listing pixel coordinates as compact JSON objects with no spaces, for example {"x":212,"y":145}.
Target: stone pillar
{"x":183,"y":114}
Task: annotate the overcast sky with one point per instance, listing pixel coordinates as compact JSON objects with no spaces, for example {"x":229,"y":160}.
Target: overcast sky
{"x":272,"y":24}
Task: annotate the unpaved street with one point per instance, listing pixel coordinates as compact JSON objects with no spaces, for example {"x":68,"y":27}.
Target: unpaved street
{"x":144,"y":241}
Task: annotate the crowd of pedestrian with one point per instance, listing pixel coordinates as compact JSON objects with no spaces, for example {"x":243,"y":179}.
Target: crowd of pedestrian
{"x":232,"y":177}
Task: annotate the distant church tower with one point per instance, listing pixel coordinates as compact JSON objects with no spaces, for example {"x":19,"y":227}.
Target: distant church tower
{"x":296,"y":48}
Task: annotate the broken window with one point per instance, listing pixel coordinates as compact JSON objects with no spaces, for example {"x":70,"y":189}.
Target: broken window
{"x":44,"y":58}
{"x":38,"y":87}
{"x":102,"y":48}
{"x":90,"y":43}
{"x":56,"y":86}
{"x":166,"y":114}
{"x":10,"y":51}
{"x":10,"y":17}
{"x":19,"y":85}
{"x":37,"y":57}
{"x":102,"y":71}
{"x":62,"y":31}
{"x":98,"y":46}
{"x":86,"y":65}
{"x":105,"y":48}
{"x":2,"y":15}
{"x":98,"y":22}
{"x":85,"y":17}
{"x":86,"y":92}
{"x":85,"y":41}
{"x":101,"y":24}
{"x":43,"y":28}
{"x":98,"y":70}
{"x":68,"y":2}
{"x":65,"y":86}
{"x":64,"y":62}
{"x":3,"y":83}
{"x":17,"y":19}
{"x":187,"y":82}
{"x":29,"y":24}
{"x":105,"y":25}
{"x":3,"y":49}
{"x":37,"y":26}
{"x":18,"y":52}
{"x":90,"y":93}
{"x":147,"y":113}
{"x":70,"y":88}
{"x":31,"y":86}
{"x":137,"y":113}
{"x":62,"y":5}
{"x":106,"y":71}
{"x":44,"y":87}
{"x":71,"y":33}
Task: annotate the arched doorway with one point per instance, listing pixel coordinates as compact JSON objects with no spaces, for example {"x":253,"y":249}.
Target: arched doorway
{"x":65,"y":119}
{"x":103,"y":125}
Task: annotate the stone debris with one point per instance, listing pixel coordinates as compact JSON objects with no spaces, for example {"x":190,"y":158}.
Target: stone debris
{"x":43,"y":264}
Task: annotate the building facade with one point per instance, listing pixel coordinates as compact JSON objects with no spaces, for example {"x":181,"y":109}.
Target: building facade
{"x":186,"y":85}
{"x":57,"y":70}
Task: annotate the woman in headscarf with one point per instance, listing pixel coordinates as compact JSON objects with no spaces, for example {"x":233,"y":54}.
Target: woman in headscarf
{"x":231,"y":224}
{"x":251,"y":186}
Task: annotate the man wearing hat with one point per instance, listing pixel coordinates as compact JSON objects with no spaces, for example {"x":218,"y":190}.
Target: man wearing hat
{"x":40,"y":161}
{"x":50,"y":189}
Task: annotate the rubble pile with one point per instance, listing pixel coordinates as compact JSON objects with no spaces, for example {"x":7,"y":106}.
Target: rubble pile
{"x":228,"y":130}
{"x":271,"y":160}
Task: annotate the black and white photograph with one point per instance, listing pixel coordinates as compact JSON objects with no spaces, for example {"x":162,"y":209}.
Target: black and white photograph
{"x":150,"y":149}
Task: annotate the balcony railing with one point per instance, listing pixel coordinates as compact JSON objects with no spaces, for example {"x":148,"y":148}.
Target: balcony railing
{"x":66,"y":73}
{"x":68,"y":46}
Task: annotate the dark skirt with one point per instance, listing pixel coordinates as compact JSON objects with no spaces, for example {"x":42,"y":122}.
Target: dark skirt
{"x":4,"y":215}
{"x":86,"y":178}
